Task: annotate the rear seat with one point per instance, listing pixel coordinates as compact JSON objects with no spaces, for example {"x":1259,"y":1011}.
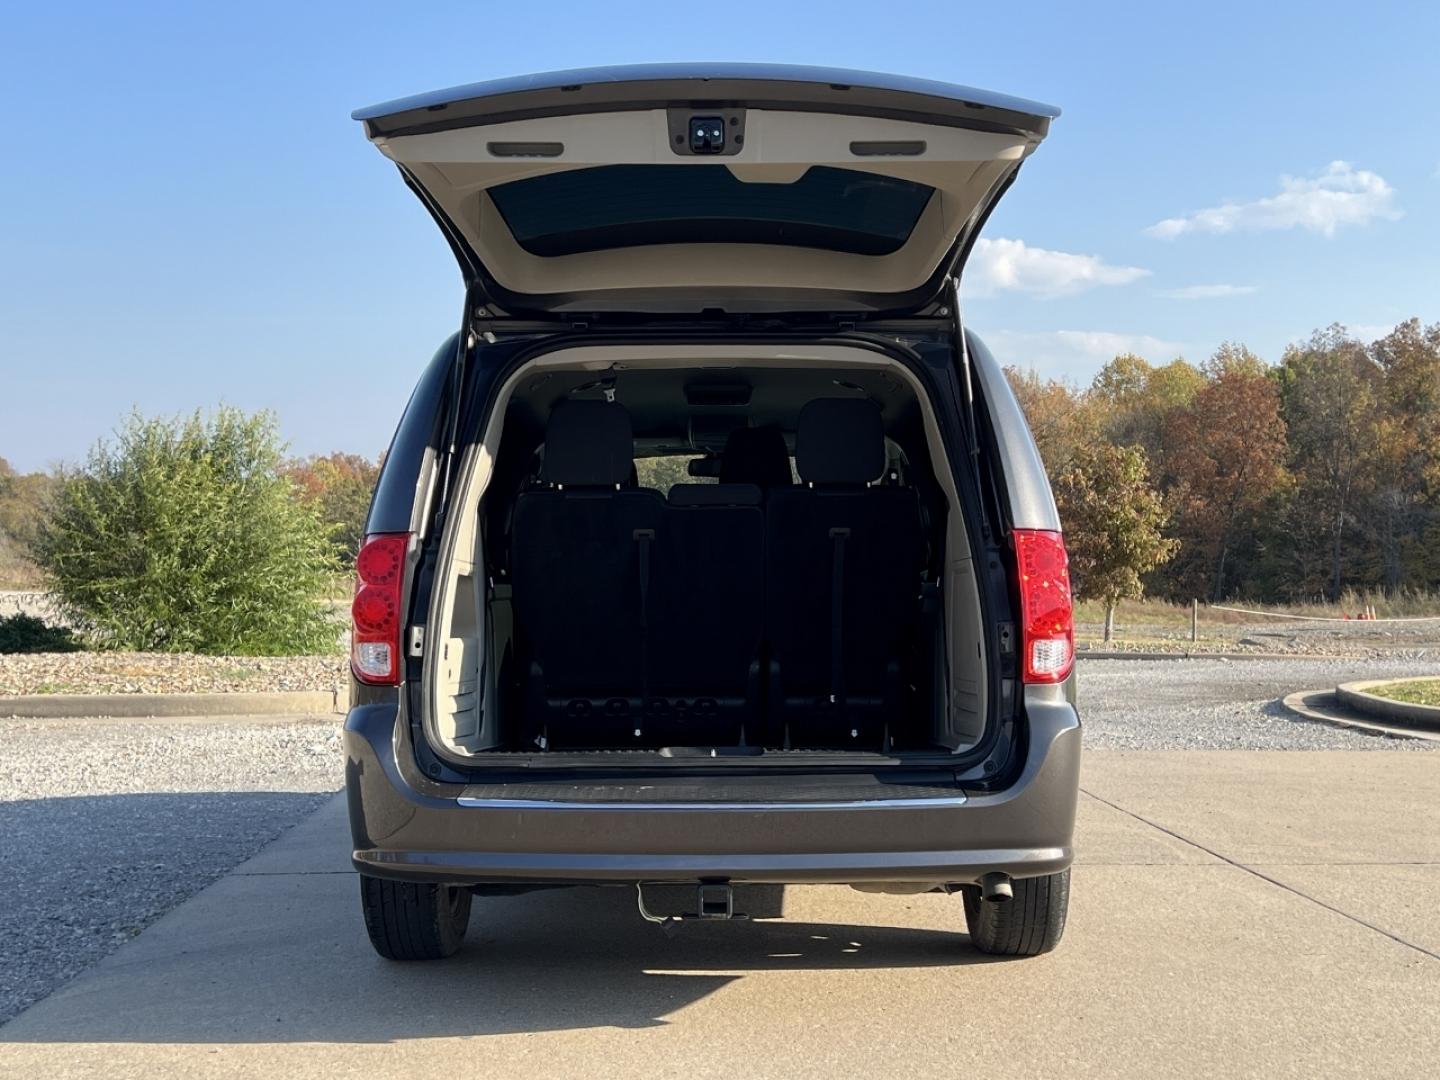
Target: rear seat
{"x":642,"y":619}
{"x":843,"y":563}
{"x":642,"y":622}
{"x":579,"y":547}
{"x":708,"y":615}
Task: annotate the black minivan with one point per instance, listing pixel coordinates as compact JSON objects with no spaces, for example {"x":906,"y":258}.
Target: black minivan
{"x":713,"y":548}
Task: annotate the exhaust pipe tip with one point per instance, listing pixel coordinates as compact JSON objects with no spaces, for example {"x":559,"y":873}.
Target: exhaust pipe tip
{"x":996,"y":889}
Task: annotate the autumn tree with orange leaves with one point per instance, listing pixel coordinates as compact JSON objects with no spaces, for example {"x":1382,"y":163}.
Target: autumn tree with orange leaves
{"x":1224,"y":459}
{"x":339,"y":486}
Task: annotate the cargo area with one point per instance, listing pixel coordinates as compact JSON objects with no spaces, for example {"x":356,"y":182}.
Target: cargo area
{"x":714,"y":554}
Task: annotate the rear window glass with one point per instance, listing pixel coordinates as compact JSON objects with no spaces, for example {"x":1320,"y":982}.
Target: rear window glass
{"x":615,"y":206}
{"x":663,"y":473}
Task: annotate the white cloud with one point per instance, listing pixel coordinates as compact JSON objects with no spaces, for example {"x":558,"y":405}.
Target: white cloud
{"x":1209,"y":292}
{"x":1075,"y":354}
{"x":1001,"y":264}
{"x":1339,"y":195}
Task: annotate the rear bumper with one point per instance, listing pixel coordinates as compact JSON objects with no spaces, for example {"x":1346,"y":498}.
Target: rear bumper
{"x":407,"y":828}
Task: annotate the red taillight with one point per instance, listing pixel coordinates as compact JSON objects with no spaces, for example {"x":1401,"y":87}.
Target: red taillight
{"x":1047,"y":617}
{"x":375,"y":612}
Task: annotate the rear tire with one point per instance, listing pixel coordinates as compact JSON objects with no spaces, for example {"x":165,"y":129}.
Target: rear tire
{"x":1030,"y":924}
{"x":410,"y":921}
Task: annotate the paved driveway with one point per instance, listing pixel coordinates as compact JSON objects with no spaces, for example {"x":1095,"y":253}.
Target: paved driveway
{"x":1245,"y":912}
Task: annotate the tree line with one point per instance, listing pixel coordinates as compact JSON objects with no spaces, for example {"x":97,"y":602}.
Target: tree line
{"x":1285,"y":483}
{"x":1233,"y":478}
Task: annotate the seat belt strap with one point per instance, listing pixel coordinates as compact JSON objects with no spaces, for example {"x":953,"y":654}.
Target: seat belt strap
{"x":838,"y":537}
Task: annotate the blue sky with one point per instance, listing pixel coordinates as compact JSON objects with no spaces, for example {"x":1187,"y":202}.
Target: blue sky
{"x":189,"y":216}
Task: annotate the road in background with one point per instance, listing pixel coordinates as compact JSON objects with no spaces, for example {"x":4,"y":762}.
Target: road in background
{"x":1225,"y":704}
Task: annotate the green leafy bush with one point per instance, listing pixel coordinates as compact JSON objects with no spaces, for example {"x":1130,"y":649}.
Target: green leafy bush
{"x":184,"y":536}
{"x":23,"y":633}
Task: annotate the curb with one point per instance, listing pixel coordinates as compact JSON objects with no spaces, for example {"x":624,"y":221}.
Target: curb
{"x":1405,"y":713}
{"x":67,"y":706}
{"x":1323,"y":706}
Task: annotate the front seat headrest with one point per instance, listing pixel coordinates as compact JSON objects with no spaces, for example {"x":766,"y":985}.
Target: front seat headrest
{"x":756,"y":456}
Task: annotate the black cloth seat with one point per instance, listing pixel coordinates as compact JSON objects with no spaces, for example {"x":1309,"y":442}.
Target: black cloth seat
{"x":641,"y":620}
{"x":843,"y":566}
{"x":707,"y":615}
{"x":580,"y":553}
{"x":756,"y":456}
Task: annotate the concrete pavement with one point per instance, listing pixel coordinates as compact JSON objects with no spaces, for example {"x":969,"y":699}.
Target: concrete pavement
{"x":1251,"y":913}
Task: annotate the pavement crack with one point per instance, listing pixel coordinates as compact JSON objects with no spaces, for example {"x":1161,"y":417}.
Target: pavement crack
{"x":1266,"y":877}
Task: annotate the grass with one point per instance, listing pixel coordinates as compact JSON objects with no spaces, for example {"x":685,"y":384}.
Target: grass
{"x":19,"y":575}
{"x":1160,"y":614}
{"x":1425,"y":692}
{"x":1137,"y":619}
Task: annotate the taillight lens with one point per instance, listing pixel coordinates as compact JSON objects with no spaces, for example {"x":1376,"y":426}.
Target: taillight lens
{"x":1047,"y":614}
{"x":375,"y":615}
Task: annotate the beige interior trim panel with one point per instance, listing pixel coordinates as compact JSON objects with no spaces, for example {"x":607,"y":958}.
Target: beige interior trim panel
{"x":964,"y":167}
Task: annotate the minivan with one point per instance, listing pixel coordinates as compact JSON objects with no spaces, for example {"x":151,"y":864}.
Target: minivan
{"x":712,"y":550}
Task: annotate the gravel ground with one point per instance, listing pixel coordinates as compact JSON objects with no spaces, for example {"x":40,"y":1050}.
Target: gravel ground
{"x":106,"y":825}
{"x":1367,"y":640}
{"x":1224,"y":705}
{"x":26,"y":602}
{"x":166,"y":673}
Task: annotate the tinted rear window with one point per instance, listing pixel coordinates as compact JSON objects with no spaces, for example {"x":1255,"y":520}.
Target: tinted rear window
{"x":615,"y":206}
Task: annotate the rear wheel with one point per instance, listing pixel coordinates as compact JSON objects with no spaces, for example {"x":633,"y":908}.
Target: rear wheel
{"x":1028,"y":925}
{"x":410,"y":921}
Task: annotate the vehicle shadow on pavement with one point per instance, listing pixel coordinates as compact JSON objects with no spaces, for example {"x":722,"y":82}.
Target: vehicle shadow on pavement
{"x":282,"y":958}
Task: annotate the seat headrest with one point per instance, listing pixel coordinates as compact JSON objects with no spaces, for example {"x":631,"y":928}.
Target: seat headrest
{"x":588,"y":444}
{"x":756,"y":456}
{"x":840,"y":441}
